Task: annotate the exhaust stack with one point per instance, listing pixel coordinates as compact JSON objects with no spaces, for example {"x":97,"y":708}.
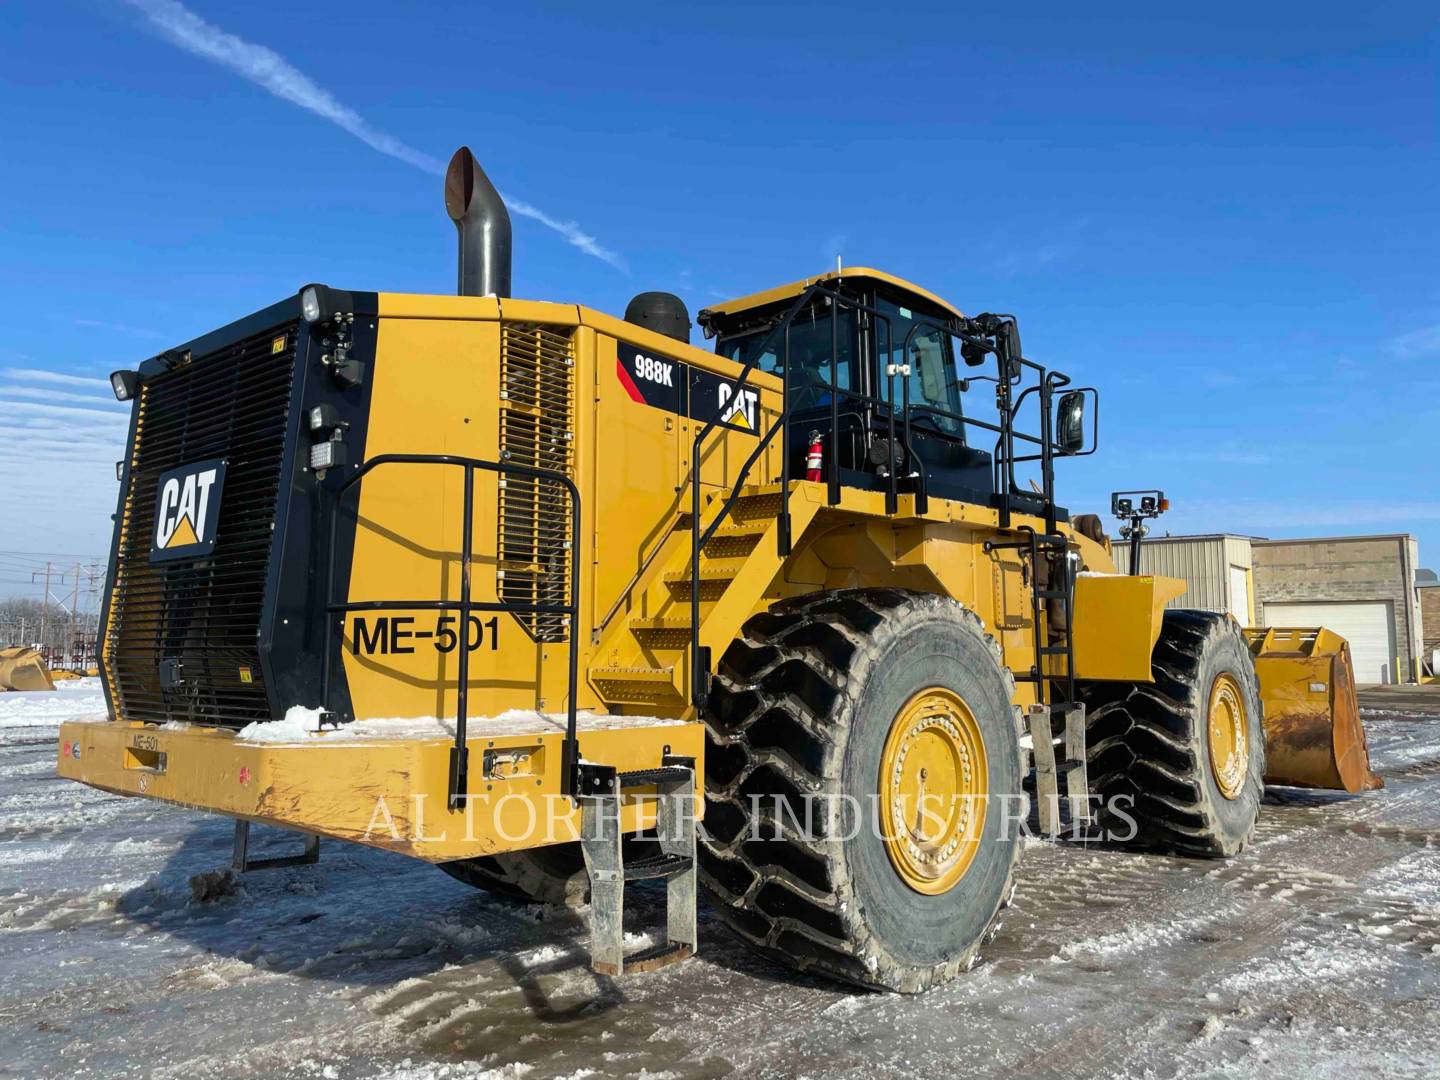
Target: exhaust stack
{"x":484,"y":226}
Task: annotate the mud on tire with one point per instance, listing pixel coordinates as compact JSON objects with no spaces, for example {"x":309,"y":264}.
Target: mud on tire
{"x":1149,"y":743}
{"x":802,"y":704}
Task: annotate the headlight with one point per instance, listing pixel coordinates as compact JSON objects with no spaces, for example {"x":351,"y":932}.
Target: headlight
{"x":324,"y":417}
{"x":326,"y":455}
{"x":310,"y":304}
{"x":124,"y":383}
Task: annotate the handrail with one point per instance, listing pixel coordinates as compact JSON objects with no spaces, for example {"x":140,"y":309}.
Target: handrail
{"x":699,"y":662}
{"x":1010,"y":373}
{"x":459,"y":752}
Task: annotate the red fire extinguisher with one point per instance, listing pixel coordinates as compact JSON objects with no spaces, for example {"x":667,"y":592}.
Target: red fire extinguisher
{"x":815,"y":458}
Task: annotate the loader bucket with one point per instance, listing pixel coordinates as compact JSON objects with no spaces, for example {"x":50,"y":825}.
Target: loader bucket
{"x":1313,"y":736}
{"x":23,"y":668}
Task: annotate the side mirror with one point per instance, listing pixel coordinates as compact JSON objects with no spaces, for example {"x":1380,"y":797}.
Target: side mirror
{"x":1011,"y":330}
{"x":1070,"y":423}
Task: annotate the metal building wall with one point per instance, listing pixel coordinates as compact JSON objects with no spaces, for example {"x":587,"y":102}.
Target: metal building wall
{"x":1349,"y":569}
{"x":1203,"y":562}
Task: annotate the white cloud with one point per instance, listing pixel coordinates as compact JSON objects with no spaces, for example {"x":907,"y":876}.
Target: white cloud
{"x":46,"y":393}
{"x":41,"y":375}
{"x":70,"y":412}
{"x":1417,"y":343}
{"x":569,"y":230}
{"x":271,"y":71}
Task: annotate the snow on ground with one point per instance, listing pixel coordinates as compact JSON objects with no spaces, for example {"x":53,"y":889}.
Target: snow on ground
{"x":72,"y":699}
{"x":1316,"y":953}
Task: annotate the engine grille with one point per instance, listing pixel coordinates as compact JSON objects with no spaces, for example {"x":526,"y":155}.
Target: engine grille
{"x":537,"y":408}
{"x":233,"y":404}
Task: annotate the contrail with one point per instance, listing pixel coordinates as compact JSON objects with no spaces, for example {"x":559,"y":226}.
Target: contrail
{"x":268,"y":69}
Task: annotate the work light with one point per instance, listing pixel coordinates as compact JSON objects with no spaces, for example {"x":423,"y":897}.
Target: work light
{"x":326,"y":455}
{"x":324,"y":417}
{"x":124,"y":383}
{"x":310,"y":304}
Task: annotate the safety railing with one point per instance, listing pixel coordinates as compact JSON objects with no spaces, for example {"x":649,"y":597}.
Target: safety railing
{"x":700,"y":660}
{"x":899,"y":428}
{"x":465,"y":605}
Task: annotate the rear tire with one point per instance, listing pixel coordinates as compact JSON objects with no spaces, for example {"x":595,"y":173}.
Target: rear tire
{"x":1149,"y":746}
{"x":548,"y":875}
{"x":810,"y":701}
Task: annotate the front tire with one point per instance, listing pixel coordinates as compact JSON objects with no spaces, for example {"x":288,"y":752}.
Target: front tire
{"x":1178,"y":764}
{"x":866,"y":695}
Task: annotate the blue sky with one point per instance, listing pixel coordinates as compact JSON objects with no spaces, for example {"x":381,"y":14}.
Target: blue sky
{"x":1226,"y":218}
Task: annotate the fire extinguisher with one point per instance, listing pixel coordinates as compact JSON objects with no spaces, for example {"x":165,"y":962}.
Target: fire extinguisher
{"x":815,"y":458}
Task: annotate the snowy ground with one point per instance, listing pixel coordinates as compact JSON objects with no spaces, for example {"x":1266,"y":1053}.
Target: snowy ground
{"x":1317,"y":953}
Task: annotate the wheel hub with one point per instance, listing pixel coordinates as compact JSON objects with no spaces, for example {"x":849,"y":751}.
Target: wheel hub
{"x":934,"y":784}
{"x":1229,"y":735}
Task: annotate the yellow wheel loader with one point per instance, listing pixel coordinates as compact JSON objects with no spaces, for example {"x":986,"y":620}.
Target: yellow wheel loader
{"x":560,"y":602}
{"x":24,"y":668}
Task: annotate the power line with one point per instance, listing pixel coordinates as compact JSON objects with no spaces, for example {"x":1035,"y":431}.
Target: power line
{"x":52,"y":555}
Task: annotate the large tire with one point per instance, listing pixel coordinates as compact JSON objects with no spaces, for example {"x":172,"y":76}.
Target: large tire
{"x":548,"y":875}
{"x":1149,"y":743}
{"x":803,"y":704}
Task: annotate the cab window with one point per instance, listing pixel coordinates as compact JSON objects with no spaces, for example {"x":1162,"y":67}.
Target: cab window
{"x":931,"y":356}
{"x":810,"y":344}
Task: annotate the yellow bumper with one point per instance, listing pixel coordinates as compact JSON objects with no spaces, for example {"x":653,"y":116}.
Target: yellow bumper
{"x":1117,"y":622}
{"x":388,"y":793}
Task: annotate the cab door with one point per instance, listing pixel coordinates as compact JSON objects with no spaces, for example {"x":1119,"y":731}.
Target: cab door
{"x":925,"y":382}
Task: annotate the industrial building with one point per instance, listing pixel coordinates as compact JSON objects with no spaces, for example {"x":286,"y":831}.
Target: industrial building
{"x":1218,"y":568}
{"x":1428,"y":585}
{"x":1362,"y":587}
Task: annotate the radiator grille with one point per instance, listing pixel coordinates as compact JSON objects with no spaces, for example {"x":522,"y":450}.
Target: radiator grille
{"x":233,"y":404}
{"x":537,"y":409}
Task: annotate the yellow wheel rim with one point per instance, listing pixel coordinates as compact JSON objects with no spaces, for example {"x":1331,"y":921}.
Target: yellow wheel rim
{"x":934,"y":783}
{"x":1229,"y":735}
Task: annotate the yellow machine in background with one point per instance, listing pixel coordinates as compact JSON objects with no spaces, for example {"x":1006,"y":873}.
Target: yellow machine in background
{"x":23,"y":668}
{"x":1313,"y":736}
{"x":525,"y":590}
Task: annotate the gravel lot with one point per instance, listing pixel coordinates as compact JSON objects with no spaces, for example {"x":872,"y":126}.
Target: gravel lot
{"x":1316,"y":953}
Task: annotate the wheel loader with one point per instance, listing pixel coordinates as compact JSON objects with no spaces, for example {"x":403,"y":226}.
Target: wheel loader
{"x":561,"y":602}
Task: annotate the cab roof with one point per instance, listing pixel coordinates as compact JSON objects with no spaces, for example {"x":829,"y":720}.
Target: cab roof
{"x":795,"y":288}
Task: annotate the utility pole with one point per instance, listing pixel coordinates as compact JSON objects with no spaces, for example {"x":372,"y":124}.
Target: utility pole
{"x":74,"y":607}
{"x":44,"y":607}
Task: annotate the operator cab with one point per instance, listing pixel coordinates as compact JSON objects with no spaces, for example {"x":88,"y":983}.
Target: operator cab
{"x":852,"y":361}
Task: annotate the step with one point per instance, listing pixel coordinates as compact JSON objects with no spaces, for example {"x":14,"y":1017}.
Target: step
{"x":660,"y":624}
{"x":658,"y":956}
{"x":601,"y":844}
{"x":741,"y":530}
{"x":735,"y":541}
{"x":637,"y":685}
{"x":712,"y":570}
{"x":670,"y":632}
{"x":634,"y":674}
{"x":665,"y":774}
{"x":656,"y":867}
{"x":753,"y":505}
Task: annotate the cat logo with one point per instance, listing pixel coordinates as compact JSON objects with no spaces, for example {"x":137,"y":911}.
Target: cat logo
{"x":187,"y":510}
{"x":738,"y":409}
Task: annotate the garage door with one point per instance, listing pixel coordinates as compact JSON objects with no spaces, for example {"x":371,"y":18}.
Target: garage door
{"x":1368,"y":627}
{"x":1240,"y":595}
